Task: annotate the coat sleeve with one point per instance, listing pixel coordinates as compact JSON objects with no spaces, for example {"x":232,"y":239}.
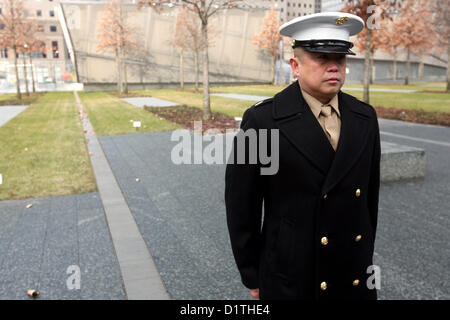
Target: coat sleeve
{"x":243,"y":200}
{"x":374,"y":180}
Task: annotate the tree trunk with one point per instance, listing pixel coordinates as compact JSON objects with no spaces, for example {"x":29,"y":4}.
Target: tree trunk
{"x":124,"y":68}
{"x":408,"y":66}
{"x":272,"y":75}
{"x":181,"y":69}
{"x":448,"y":67}
{"x":119,"y":78}
{"x":420,"y":70}
{"x":372,"y":73}
{"x":394,"y":72}
{"x":25,"y":75}
{"x":367,"y":66}
{"x":196,"y":69}
{"x":206,"y":99}
{"x":32,"y":74}
{"x":19,"y":94}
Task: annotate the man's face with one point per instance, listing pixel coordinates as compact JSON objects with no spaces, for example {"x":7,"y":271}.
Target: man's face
{"x":320,"y":74}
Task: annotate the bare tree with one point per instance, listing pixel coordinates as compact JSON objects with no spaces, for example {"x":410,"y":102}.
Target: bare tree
{"x":204,"y":9}
{"x":268,"y":39}
{"x":441,"y":28}
{"x":180,"y":38}
{"x":366,"y":10}
{"x":414,"y":30}
{"x":115,"y":34}
{"x":12,"y":17}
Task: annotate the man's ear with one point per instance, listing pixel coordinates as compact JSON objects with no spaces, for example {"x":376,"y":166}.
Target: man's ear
{"x":295,"y":66}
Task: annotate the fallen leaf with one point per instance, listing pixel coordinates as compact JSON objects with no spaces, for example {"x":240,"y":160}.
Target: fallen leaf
{"x":29,"y":206}
{"x":33,"y":293}
{"x":137,"y":179}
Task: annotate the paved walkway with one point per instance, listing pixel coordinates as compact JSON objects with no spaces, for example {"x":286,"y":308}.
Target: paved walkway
{"x":149,"y":101}
{"x":180,"y":212}
{"x":9,"y":112}
{"x":41,"y":247}
{"x":140,"y":276}
{"x":240,"y":96}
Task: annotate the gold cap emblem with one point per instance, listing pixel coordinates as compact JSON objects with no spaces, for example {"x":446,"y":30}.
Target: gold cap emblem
{"x":341,"y":20}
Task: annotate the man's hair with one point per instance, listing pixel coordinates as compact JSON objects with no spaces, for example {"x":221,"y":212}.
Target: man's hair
{"x":298,"y":52}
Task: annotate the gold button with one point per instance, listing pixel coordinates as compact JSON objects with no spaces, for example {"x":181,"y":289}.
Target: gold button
{"x":356,"y":283}
{"x":323,"y":286}
{"x":324,"y":241}
{"x":358,"y":237}
{"x":325,"y":196}
{"x":358,"y":192}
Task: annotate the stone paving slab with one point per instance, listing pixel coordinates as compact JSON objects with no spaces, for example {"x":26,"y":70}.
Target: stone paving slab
{"x":150,"y":102}
{"x":240,"y":96}
{"x":39,"y":244}
{"x":180,"y":213}
{"x":9,"y":112}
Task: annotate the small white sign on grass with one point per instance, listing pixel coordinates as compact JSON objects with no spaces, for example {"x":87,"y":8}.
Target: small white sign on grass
{"x":1,"y":179}
{"x":136,"y":124}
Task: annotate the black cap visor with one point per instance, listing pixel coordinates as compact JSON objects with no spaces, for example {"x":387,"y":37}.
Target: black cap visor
{"x":325,"y":46}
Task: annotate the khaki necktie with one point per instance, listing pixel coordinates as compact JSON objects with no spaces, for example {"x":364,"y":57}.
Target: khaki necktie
{"x":331,"y":125}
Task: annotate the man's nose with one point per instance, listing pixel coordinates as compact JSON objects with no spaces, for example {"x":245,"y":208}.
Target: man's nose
{"x":332,"y":66}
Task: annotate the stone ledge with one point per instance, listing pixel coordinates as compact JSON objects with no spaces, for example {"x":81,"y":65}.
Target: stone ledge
{"x":400,"y":162}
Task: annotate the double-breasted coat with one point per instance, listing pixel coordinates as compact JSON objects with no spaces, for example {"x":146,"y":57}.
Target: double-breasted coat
{"x":308,"y":231}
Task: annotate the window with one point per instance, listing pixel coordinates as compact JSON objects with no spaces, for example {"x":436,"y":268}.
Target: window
{"x":40,"y":28}
{"x":55,"y":49}
{"x":4,"y":53}
{"x":52,"y":28}
{"x":51,"y":13}
{"x":39,"y":13}
{"x":2,"y":26}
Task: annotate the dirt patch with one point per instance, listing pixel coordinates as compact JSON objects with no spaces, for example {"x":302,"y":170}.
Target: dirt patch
{"x":185,"y":117}
{"x":416,"y":116}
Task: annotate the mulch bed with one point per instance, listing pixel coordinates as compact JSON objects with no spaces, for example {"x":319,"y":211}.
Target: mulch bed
{"x":185,"y":117}
{"x":417,"y":116}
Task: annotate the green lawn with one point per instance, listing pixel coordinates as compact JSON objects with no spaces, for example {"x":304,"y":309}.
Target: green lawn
{"x":110,"y":116}
{"x":10,"y":99}
{"x":428,"y":101}
{"x":43,"y":151}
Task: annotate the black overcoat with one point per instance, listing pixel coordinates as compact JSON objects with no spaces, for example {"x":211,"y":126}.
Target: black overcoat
{"x":308,"y":231}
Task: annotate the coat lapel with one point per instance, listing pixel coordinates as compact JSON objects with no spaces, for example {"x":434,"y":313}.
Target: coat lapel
{"x":354,"y":128}
{"x":297,"y":123}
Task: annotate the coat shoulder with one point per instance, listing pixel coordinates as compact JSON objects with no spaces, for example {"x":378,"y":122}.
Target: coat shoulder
{"x":359,"y":105}
{"x":260,"y":111}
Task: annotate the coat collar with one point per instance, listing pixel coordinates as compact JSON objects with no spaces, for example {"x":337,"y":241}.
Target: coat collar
{"x":298,"y":124}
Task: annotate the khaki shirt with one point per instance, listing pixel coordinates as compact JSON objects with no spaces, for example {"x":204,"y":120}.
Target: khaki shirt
{"x":316,"y":106}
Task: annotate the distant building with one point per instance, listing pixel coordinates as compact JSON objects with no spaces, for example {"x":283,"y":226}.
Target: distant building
{"x":51,"y":66}
{"x":332,"y":5}
{"x":233,"y":57}
{"x":290,"y":9}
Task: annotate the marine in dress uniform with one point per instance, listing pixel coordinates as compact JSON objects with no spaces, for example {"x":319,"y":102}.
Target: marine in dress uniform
{"x":308,"y":231}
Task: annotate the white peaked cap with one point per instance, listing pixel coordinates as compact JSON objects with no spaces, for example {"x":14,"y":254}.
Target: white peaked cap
{"x":324,"y":25}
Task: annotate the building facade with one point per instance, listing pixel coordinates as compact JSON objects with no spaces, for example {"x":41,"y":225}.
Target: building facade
{"x":50,"y":65}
